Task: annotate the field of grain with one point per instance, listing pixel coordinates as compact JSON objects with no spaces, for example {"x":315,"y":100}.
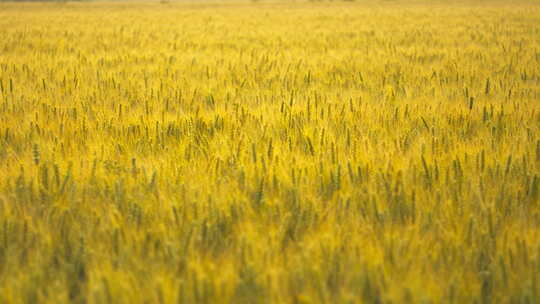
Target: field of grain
{"x":270,"y":152}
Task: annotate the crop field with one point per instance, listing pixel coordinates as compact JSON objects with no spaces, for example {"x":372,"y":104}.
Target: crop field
{"x":270,"y":152}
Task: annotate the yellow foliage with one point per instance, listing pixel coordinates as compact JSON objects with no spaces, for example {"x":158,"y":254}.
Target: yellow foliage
{"x":280,"y":152}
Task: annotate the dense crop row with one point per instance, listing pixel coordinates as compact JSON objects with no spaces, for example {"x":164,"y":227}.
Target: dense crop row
{"x":290,"y":152}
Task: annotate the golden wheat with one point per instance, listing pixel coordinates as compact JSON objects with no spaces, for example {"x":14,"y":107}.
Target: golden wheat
{"x":325,"y":152}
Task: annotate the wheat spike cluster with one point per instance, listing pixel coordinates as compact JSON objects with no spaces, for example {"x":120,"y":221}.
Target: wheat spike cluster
{"x":368,"y":151}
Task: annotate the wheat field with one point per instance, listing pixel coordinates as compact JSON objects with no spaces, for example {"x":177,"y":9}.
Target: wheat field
{"x":270,"y":152}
